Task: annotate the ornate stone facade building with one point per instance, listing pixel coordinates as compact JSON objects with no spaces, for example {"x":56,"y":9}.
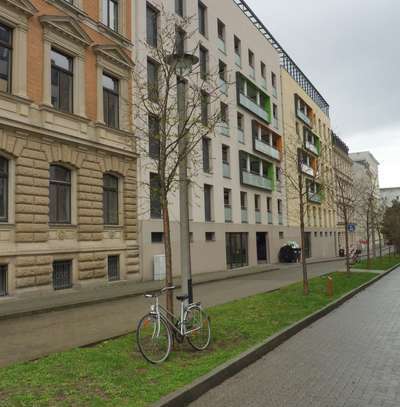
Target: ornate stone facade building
{"x":67,"y":149}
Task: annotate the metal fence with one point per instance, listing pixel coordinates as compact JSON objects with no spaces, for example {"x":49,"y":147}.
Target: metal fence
{"x":3,"y":281}
{"x":113,"y":268}
{"x":62,"y":274}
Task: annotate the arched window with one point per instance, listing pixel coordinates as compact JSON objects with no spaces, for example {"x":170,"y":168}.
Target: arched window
{"x":60,"y":194}
{"x":3,"y":190}
{"x":110,"y":199}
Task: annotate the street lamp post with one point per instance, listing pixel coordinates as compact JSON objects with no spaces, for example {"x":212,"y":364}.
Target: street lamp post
{"x":183,"y":64}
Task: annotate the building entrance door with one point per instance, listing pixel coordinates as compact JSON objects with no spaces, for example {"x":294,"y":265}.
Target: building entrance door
{"x":236,"y":250}
{"x":262,"y":251}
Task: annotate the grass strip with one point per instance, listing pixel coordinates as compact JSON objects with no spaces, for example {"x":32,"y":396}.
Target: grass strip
{"x":113,"y":373}
{"x":378,"y":263}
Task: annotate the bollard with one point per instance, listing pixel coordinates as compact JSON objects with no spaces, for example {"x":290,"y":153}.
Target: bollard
{"x":329,"y":286}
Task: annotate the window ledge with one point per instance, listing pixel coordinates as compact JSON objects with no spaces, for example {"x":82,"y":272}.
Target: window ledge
{"x":71,"y":116}
{"x":113,"y":130}
{"x":6,"y":226}
{"x":15,"y":98}
{"x":114,"y":34}
{"x":70,"y":7}
{"x":113,"y":227}
{"x":62,"y":226}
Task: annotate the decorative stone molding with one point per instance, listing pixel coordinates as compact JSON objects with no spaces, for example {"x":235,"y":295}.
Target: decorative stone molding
{"x":75,"y":8}
{"x":114,"y":164}
{"x":114,"y":55}
{"x":24,"y":7}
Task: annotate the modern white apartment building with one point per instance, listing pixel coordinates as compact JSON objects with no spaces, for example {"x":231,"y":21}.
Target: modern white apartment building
{"x":238,"y":211}
{"x":388,"y":195}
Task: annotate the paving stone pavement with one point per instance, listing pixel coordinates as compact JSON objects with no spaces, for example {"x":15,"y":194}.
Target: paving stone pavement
{"x":350,"y":358}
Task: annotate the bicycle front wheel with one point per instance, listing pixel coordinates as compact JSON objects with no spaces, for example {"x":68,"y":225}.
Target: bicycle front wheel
{"x":154,"y":338}
{"x":197,"y":324}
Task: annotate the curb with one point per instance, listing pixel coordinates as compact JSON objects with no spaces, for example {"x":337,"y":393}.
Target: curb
{"x":193,"y":391}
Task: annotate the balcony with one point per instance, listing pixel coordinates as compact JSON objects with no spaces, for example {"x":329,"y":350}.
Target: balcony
{"x":312,"y":147}
{"x":224,"y":129}
{"x":257,"y":181}
{"x":241,"y":136}
{"x":228,"y":213}
{"x":245,"y":217}
{"x":226,"y":170}
{"x":269,"y":216}
{"x":258,"y":216}
{"x":314,"y":197}
{"x":252,"y":73}
{"x":223,"y":86}
{"x":221,"y":45}
{"x":254,"y":108}
{"x":238,"y":60}
{"x":266,"y":149}
{"x":303,"y":117}
{"x":307,"y":169}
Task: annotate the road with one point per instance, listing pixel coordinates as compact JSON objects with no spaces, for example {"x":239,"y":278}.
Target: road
{"x":31,"y":337}
{"x":350,"y":358}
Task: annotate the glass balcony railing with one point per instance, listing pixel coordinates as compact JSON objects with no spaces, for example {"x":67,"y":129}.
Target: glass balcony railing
{"x":228,"y":213}
{"x":224,"y":129}
{"x":303,"y":117}
{"x":314,"y":197}
{"x":254,"y":107}
{"x":312,"y":147}
{"x":269,"y":216}
{"x":258,"y":181}
{"x":264,"y":83}
{"x":245,"y":217}
{"x":252,"y":73}
{"x":258,"y":216}
{"x":221,"y":45}
{"x":226,"y":170}
{"x":307,"y":169}
{"x":238,"y":60}
{"x":223,"y":86}
{"x":280,"y":219}
{"x":241,"y":136}
{"x":275,"y":123}
{"x":266,"y":149}
{"x":274,"y":92}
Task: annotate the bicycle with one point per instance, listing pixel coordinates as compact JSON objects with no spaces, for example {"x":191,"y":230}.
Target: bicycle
{"x":156,"y":330}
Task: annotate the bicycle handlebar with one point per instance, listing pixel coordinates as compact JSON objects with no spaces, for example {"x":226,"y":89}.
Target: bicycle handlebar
{"x":162,"y":291}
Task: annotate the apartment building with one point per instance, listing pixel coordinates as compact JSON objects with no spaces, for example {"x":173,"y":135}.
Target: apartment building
{"x":67,"y":151}
{"x":388,"y":195}
{"x":237,"y":209}
{"x":308,"y":149}
{"x":343,"y":167}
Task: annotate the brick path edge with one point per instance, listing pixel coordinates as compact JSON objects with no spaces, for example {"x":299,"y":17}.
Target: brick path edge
{"x":191,"y":392}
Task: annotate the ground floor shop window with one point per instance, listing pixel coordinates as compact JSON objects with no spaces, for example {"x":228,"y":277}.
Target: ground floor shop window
{"x":237,"y":250}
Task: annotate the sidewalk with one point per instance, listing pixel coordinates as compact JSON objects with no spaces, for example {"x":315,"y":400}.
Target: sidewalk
{"x":34,"y":303}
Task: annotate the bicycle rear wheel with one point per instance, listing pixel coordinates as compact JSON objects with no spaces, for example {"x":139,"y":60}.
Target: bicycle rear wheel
{"x":197,"y":321}
{"x":154,"y":338}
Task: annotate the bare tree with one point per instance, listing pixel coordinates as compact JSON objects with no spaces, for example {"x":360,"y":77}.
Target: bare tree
{"x":305,"y":182}
{"x":175,"y":107}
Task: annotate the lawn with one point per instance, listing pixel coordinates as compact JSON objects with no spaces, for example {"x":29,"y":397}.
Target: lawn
{"x":379,"y":263}
{"x":114,"y":374}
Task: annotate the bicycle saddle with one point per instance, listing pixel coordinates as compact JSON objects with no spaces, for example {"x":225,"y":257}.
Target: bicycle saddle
{"x":182,"y":297}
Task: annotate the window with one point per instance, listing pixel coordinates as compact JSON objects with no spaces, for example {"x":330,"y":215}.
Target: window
{"x":157,"y":237}
{"x":224,"y":113}
{"x":60,"y":194}
{"x":206,"y":154}
{"x":269,"y":204}
{"x":227,"y":198}
{"x":110,"y":14}
{"x":110,"y":199}
{"x":275,"y":111}
{"x":255,"y":165}
{"x":154,"y":137}
{"x":155,"y":201}
{"x":280,"y":206}
{"x":5,"y":58}
{"x":221,"y":30}
{"x":237,"y":45}
{"x":152,"y":80}
{"x":62,"y":274}
{"x":113,"y":268}
{"x":281,"y":235}
{"x":180,"y":41}
{"x":3,"y":190}
{"x":203,"y":63}
{"x":202,"y":19}
{"x":204,"y":108}
{"x":222,"y":70}
{"x":61,"y":81}
{"x":210,"y":236}
{"x":273,"y":80}
{"x":251,"y":58}
{"x":243,"y":200}
{"x":3,"y":281}
{"x":151,"y":26}
{"x":263,"y":71}
{"x":240,"y":121}
{"x":179,"y":7}
{"x":225,"y":154}
{"x":208,"y":203}
{"x":111,"y":101}
{"x":257,"y":202}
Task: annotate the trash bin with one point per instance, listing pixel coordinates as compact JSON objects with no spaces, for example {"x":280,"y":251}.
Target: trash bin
{"x":341,"y":252}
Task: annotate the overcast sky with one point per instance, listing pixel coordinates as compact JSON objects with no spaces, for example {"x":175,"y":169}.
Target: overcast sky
{"x":350,"y":49}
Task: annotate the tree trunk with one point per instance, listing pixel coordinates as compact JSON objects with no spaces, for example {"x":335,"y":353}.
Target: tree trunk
{"x":368,"y":247}
{"x":346,"y":235}
{"x":302,"y":237}
{"x":168,"y":257}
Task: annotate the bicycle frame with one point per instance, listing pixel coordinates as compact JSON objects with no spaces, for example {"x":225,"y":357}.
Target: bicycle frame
{"x":158,"y":310}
